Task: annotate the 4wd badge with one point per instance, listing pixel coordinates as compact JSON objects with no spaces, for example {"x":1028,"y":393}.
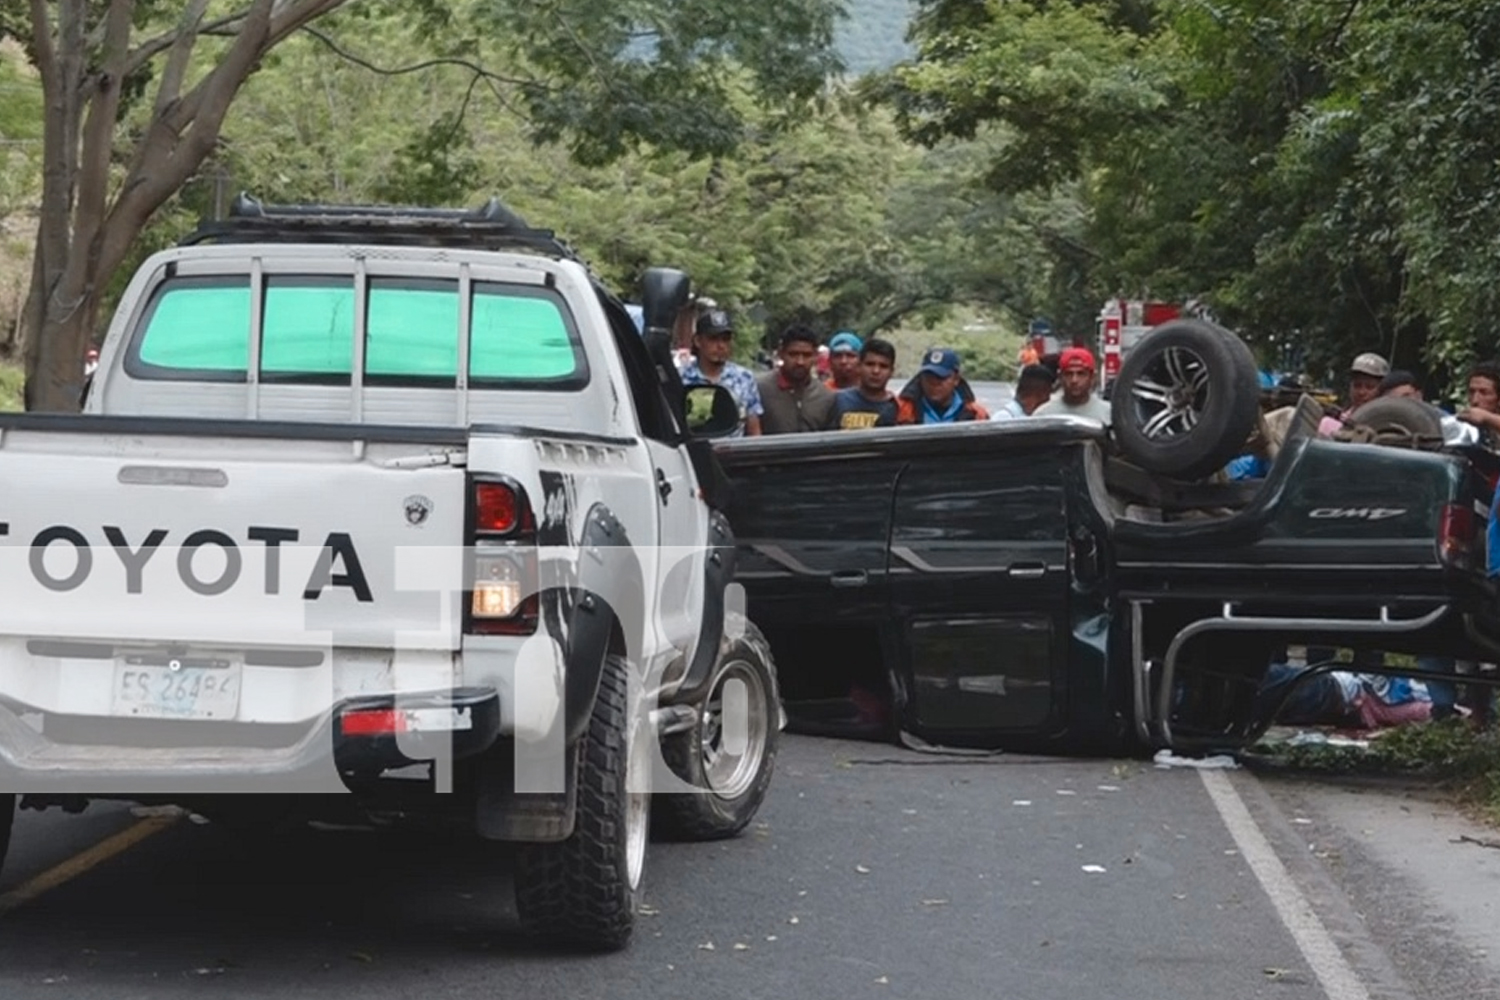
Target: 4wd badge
{"x":417,"y":508}
{"x":1355,"y":513}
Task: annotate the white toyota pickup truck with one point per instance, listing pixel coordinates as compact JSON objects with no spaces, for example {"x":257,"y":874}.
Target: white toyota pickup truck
{"x":392,"y":510}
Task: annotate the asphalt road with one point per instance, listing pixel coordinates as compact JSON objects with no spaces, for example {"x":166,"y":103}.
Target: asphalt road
{"x":872,"y":872}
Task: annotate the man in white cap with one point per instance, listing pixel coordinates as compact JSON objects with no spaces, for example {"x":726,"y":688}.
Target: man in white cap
{"x":1365,"y":375}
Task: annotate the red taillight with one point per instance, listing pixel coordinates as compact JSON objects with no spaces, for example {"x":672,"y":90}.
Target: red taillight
{"x":373,"y":722}
{"x":1456,"y":534}
{"x":501,"y":598}
{"x":496,"y":508}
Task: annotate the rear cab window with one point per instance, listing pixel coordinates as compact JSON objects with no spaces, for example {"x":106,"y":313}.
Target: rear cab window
{"x":415,"y":331}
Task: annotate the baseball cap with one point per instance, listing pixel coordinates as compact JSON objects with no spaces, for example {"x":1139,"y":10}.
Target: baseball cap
{"x":1370,"y":364}
{"x":1075,"y":357}
{"x":845,"y":340}
{"x":1399,"y":377}
{"x":714,"y":322}
{"x":939,"y":361}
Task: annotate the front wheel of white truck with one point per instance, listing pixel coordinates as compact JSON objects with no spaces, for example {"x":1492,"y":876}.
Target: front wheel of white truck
{"x":582,"y":891}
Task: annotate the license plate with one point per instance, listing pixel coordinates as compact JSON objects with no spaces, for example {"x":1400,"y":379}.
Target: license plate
{"x":188,"y":687}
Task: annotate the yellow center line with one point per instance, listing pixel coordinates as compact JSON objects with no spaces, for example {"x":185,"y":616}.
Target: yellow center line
{"x":83,"y":862}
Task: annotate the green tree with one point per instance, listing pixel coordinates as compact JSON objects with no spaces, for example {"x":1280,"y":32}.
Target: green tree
{"x":599,"y":74}
{"x":1324,"y":174}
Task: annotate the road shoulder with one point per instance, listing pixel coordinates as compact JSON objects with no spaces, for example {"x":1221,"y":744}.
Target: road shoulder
{"x":1413,"y":869}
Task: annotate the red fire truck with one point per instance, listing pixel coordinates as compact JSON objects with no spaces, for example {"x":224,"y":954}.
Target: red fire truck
{"x":1123,"y":322}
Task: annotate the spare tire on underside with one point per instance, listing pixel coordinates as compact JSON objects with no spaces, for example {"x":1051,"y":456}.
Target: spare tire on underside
{"x":1186,"y":400}
{"x":1396,"y":420}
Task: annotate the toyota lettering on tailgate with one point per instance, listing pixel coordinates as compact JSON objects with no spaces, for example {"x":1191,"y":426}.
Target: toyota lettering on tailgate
{"x":337,"y":564}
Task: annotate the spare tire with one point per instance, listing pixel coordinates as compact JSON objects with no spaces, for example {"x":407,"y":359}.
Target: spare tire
{"x":1399,"y":420}
{"x":1186,"y":400}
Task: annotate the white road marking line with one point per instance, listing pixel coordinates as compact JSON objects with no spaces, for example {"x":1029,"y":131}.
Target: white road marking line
{"x":1337,"y":977}
{"x":80,"y":863}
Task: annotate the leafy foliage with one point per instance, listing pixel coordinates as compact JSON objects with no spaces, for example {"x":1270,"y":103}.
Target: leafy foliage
{"x":822,"y":213}
{"x":1324,"y":174}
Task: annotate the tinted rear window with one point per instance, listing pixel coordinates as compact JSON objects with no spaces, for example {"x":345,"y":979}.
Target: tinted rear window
{"x":199,"y":329}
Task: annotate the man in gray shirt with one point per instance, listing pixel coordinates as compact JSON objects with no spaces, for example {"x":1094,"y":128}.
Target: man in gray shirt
{"x":793,"y":399}
{"x":1075,"y":371}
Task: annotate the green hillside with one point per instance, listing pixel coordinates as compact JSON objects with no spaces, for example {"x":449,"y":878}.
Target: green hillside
{"x":874,"y":35}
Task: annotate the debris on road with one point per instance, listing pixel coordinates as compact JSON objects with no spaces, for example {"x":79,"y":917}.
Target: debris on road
{"x":1165,"y":759}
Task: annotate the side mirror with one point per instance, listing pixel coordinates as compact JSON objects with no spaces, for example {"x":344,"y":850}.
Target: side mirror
{"x":664,"y":292}
{"x":711,"y":411}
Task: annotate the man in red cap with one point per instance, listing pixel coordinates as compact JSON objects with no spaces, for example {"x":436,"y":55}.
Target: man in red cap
{"x":1075,"y":372}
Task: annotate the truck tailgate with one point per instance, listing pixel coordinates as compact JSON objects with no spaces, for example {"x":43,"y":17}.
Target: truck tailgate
{"x":229,"y":540}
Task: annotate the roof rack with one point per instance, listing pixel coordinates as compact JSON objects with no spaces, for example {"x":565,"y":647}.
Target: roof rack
{"x":491,"y":226}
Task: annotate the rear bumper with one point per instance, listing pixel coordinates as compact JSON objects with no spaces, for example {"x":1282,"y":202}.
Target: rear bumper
{"x":121,"y":758}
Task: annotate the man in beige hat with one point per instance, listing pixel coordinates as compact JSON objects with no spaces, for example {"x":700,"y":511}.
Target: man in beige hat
{"x":1365,"y":375}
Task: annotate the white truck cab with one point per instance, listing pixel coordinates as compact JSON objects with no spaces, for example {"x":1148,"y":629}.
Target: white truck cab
{"x":394,"y":506}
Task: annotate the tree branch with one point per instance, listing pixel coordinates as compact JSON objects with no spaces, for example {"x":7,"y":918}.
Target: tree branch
{"x":343,"y":53}
{"x":178,"y":141}
{"x":102,"y":88}
{"x":175,"y":71}
{"x":57,"y":61}
{"x":1337,"y":34}
{"x":902,"y":309}
{"x":167,"y":153}
{"x":151,"y":48}
{"x":41,"y":41}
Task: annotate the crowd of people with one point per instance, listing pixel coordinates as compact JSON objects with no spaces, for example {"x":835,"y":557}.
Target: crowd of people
{"x":1354,"y":697}
{"x":856,"y":394}
{"x":852,"y":392}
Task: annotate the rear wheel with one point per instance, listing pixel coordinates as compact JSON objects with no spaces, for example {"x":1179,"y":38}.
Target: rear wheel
{"x":582,"y":891}
{"x":729,"y":755}
{"x":1187,"y":399}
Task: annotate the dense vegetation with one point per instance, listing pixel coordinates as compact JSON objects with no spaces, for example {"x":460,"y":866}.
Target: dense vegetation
{"x":818,"y":211}
{"x":1324,"y":175}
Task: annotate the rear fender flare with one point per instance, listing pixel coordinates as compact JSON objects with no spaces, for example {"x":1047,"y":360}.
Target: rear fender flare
{"x":609,"y":608}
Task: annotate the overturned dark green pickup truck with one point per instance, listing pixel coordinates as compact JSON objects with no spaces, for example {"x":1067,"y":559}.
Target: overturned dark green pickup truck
{"x":1034,"y":585}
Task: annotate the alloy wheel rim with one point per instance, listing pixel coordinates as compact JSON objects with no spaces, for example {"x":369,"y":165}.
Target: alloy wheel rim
{"x":1172,"y":394}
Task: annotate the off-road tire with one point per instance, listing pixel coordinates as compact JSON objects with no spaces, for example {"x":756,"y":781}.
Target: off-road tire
{"x":579,"y":892}
{"x":1399,"y":421}
{"x":718,"y":813}
{"x":1187,"y":399}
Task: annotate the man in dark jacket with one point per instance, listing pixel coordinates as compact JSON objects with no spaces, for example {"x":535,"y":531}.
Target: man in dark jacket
{"x":938,"y":395}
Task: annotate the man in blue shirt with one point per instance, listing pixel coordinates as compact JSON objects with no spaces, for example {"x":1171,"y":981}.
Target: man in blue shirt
{"x":939,"y":394}
{"x":713,"y":343}
{"x":870,"y":403}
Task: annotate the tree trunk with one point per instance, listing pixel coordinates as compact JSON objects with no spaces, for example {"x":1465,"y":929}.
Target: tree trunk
{"x":54,"y":365}
{"x":90,"y":215}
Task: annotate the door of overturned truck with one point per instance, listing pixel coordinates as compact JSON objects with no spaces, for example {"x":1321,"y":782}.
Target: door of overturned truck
{"x":945,"y":583}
